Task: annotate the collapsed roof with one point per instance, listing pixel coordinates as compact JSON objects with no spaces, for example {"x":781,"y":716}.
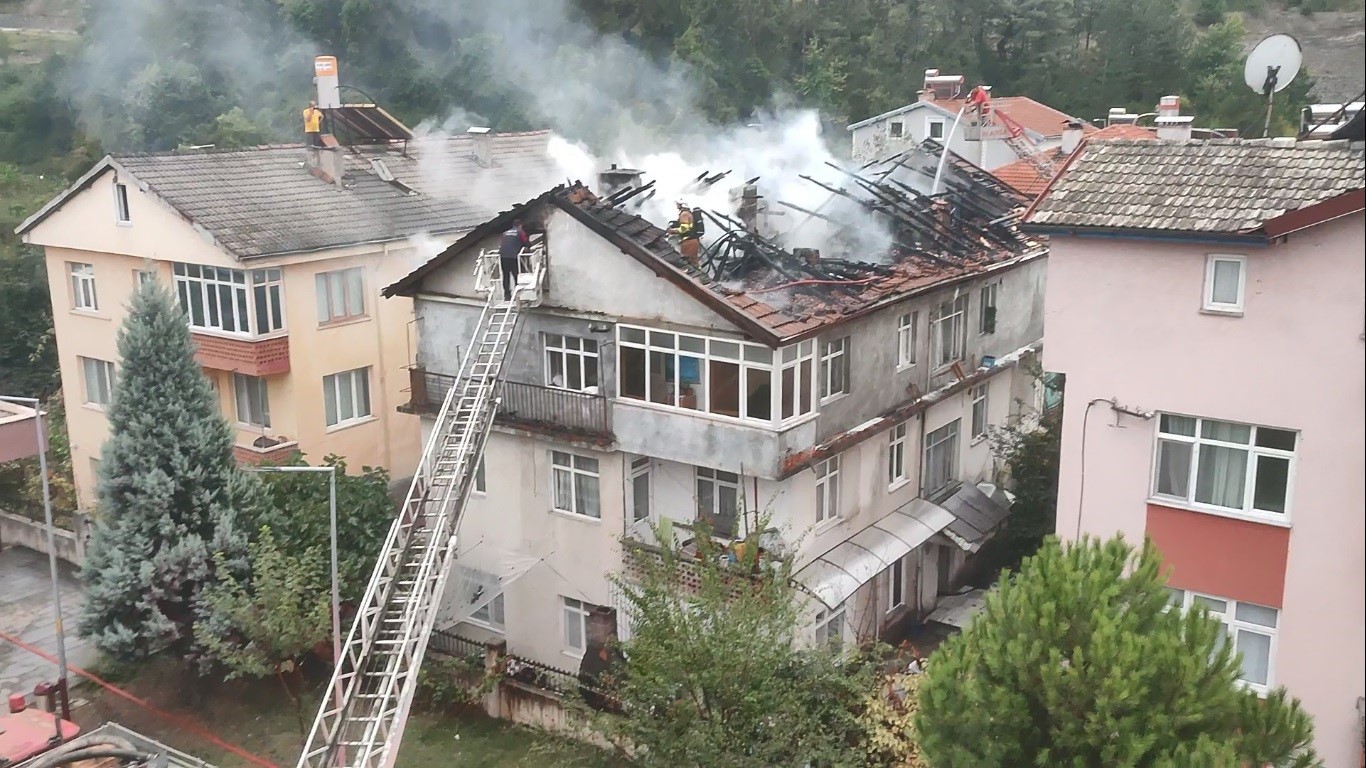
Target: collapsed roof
{"x":779,"y":292}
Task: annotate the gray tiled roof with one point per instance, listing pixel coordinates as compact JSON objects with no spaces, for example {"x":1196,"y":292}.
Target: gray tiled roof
{"x":263,"y":201}
{"x":1227,"y":185}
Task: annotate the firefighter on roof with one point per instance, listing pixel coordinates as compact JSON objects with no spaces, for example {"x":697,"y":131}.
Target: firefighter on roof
{"x":688,"y":233}
{"x":313,"y":124}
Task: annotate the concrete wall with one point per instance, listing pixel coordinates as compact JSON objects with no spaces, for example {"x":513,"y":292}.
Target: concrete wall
{"x":19,"y":531}
{"x":875,"y":141}
{"x":85,"y":231}
{"x":876,"y":383}
{"x":1125,"y":321}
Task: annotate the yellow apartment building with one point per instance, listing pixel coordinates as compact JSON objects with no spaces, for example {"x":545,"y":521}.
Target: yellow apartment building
{"x":277,"y":255}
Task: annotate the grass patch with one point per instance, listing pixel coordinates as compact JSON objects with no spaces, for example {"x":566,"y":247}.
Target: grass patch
{"x":256,"y":716}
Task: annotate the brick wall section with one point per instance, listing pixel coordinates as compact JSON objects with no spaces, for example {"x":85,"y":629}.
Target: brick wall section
{"x":253,"y":357}
{"x":253,"y":456}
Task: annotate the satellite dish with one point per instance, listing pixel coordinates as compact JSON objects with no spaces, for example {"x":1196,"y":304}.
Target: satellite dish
{"x":1273,"y":64}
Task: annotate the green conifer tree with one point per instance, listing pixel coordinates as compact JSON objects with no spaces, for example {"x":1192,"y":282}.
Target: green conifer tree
{"x":1077,"y":661}
{"x":168,"y":490}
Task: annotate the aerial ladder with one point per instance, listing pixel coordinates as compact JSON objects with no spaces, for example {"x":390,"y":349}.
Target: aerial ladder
{"x":1014,"y":134}
{"x":361,"y":723}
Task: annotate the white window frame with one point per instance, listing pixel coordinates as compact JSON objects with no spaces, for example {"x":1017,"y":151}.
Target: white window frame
{"x":954,"y":313}
{"x":340,"y":295}
{"x":123,"y":214}
{"x":255,"y":299}
{"x":105,"y":378}
{"x":243,"y":389}
{"x":357,"y":380}
{"x":1210,"y":304}
{"x":718,"y":480}
{"x":1185,"y":599}
{"x":142,"y":277}
{"x":986,"y":311}
{"x":825,"y":620}
{"x":580,"y":611}
{"x":793,"y":358}
{"x":1254,"y":455}
{"x":491,"y":615}
{"x":897,"y":443}
{"x":641,"y":467}
{"x":827,"y":490}
{"x":947,"y":434}
{"x":84,"y":297}
{"x":562,"y":347}
{"x":978,"y":425}
{"x":576,"y":469}
{"x":907,"y":327}
{"x":896,"y":584}
{"x":751,"y":359}
{"x":930,"y":123}
{"x":896,"y":129}
{"x":834,"y":383}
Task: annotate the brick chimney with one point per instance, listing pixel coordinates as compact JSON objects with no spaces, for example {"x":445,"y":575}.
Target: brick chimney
{"x":1071,"y":137}
{"x":483,"y":145}
{"x":1171,"y":124}
{"x":940,"y":87}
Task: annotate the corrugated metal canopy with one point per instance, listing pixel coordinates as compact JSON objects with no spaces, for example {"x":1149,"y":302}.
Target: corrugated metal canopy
{"x":836,"y":575}
{"x":977,"y":516}
{"x":368,"y":124}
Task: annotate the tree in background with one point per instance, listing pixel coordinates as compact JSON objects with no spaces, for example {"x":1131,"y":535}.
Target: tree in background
{"x":888,"y":723}
{"x":1076,"y":660}
{"x":169,"y":492}
{"x":1030,"y":454}
{"x":265,"y":625}
{"x":715,"y":676}
{"x":298,"y":515}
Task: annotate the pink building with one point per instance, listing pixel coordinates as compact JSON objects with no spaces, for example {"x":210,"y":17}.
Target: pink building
{"x":1205,"y":303}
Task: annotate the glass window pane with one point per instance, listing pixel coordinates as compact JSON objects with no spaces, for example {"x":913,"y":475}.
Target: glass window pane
{"x":1175,"y":597}
{"x":789,"y":383}
{"x":662,"y":340}
{"x":693,"y":344}
{"x":336,"y":294}
{"x":355,"y":292}
{"x":586,"y":497}
{"x":585,"y":463}
{"x":242,"y":318}
{"x":706,"y":497}
{"x":1279,"y":439}
{"x":559,"y":458}
{"x":590,"y":372}
{"x":1221,"y":476}
{"x":755,"y":354}
{"x":571,"y":627}
{"x":640,"y":497}
{"x":726,"y":349}
{"x":346,"y":401}
{"x":1272,"y":484}
{"x":1225,"y":289}
{"x":1226,"y":431}
{"x":554,"y":340}
{"x":262,"y":302}
{"x":330,"y":399}
{"x":635,"y":335}
{"x":724,"y":381}
{"x":631,"y":377}
{"x":1256,"y":650}
{"x":564,"y":489}
{"x":1256,"y":614}
{"x":662,"y":377}
{"x":1178,"y":425}
{"x":759,"y":393}
{"x":804,"y":406}
{"x":1210,"y":604}
{"x":277,"y":309}
{"x":363,"y":390}
{"x":1173,"y":468}
{"x":320,"y":289}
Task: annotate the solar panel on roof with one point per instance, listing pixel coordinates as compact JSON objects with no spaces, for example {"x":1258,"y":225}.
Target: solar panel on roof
{"x":366,"y":124}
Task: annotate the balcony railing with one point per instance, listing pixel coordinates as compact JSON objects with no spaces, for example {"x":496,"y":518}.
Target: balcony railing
{"x":528,"y":406}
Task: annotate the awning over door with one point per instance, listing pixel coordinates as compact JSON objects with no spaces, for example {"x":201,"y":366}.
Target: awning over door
{"x":979,"y":511}
{"x":836,"y":575}
{"x":479,"y":574}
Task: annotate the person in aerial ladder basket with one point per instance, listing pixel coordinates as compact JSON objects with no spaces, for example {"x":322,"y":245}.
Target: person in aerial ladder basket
{"x":510,"y":246}
{"x":685,"y":227}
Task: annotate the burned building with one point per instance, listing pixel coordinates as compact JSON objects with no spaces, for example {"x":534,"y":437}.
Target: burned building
{"x":834,"y":381}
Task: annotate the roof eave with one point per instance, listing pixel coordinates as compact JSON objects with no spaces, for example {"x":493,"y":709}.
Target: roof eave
{"x":1134,"y":233}
{"x":1312,"y":215}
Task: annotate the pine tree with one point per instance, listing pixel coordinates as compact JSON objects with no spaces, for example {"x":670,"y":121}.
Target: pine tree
{"x":168,"y":488}
{"x":1076,"y":661}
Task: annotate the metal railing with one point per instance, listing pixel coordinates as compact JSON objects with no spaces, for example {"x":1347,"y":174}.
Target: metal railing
{"x":529,"y":405}
{"x":451,"y":644}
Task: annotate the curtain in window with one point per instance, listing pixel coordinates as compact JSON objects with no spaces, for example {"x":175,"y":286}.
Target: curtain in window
{"x":1173,"y":468}
{"x":1221,"y":475}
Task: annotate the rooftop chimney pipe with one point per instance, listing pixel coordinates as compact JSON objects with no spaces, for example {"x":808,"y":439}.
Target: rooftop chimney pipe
{"x":1071,"y":137}
{"x":325,"y":75}
{"x":483,"y":145}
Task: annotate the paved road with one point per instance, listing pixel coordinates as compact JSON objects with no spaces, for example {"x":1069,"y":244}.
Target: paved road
{"x":26,"y":612}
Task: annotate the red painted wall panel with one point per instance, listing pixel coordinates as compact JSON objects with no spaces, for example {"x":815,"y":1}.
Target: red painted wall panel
{"x":1221,"y":556}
